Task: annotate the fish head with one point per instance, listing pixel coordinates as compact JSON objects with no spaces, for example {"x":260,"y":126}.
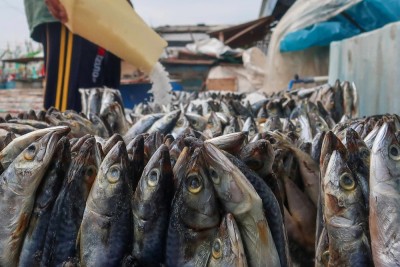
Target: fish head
{"x":358,"y":150}
{"x":30,"y":165}
{"x":385,"y":156}
{"x":258,"y":156}
{"x":232,"y":187}
{"x":198,"y":122}
{"x":110,"y":143}
{"x":250,"y":127}
{"x":343,"y":194}
{"x":231,"y":142}
{"x":331,"y":142}
{"x":155,"y":183}
{"x":85,"y":164}
{"x":111,"y":183}
{"x":172,"y":116}
{"x":200,"y":207}
{"x":227,"y":248}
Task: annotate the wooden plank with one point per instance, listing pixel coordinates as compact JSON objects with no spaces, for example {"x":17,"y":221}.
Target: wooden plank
{"x":223,"y":84}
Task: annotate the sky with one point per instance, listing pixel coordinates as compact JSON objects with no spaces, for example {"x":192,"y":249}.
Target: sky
{"x":14,"y":29}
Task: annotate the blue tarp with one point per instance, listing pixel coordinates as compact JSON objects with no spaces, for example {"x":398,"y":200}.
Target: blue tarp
{"x":365,"y":16}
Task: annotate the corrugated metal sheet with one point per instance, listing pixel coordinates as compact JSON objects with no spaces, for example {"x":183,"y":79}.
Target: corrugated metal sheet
{"x":372,"y":61}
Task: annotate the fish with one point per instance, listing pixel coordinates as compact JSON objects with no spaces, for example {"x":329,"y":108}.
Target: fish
{"x":271,"y":207}
{"x":34,"y":123}
{"x":99,"y":127}
{"x":273,"y":123}
{"x":17,"y":128}
{"x":345,"y":215}
{"x":109,"y":97}
{"x":258,"y":156}
{"x":46,"y":195}
{"x":180,"y":126}
{"x":195,"y":216}
{"x":232,"y":127}
{"x":317,"y":146}
{"x":214,"y":125}
{"x":250,"y":127}
{"x":151,"y":209}
{"x":231,"y":143}
{"x":166,"y":123}
{"x":94,"y":103}
{"x":111,"y":142}
{"x":151,"y":144}
{"x":359,"y":162}
{"x":68,"y":209}
{"x":302,"y":211}
{"x":227,"y":248}
{"x":384,"y":201}
{"x":239,"y":197}
{"x":196,"y":121}
{"x":114,"y":118}
{"x":309,"y":170}
{"x":136,"y":156}
{"x":142,"y":126}
{"x":322,"y":250}
{"x":106,"y":234}
{"x":18,"y":186}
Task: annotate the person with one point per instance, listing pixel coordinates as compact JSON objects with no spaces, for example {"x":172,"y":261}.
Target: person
{"x":71,"y":62}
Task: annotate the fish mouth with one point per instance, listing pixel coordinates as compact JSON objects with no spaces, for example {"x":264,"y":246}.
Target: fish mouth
{"x":50,"y":143}
{"x":384,"y":136}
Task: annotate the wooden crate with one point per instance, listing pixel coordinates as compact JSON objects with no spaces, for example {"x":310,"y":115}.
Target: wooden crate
{"x":223,"y":84}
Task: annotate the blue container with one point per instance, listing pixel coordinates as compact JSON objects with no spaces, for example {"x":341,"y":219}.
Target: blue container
{"x":11,"y":85}
{"x":133,"y":94}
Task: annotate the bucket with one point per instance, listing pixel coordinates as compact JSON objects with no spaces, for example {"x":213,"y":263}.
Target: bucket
{"x":116,"y":27}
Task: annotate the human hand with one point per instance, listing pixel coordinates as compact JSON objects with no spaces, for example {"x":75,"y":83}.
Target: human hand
{"x":57,"y":10}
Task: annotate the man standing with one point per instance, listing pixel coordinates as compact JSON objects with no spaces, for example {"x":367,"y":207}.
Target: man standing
{"x":71,"y":61}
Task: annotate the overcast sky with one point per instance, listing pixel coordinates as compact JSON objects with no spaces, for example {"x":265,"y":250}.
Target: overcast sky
{"x":14,"y":28}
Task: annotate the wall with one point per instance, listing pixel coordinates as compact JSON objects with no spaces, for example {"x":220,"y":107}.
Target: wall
{"x":372,"y":61}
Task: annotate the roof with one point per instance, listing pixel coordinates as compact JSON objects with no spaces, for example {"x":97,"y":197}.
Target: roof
{"x":200,"y":28}
{"x":244,"y":34}
{"x":276,"y":8}
{"x":23,"y":60}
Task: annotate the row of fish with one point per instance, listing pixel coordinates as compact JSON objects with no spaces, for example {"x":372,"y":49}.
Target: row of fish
{"x":199,"y":184}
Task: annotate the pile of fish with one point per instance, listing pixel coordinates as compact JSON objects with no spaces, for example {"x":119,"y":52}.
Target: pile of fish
{"x":213,"y":179}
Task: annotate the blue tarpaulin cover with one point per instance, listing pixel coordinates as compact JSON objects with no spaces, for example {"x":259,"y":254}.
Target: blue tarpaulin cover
{"x":365,"y":16}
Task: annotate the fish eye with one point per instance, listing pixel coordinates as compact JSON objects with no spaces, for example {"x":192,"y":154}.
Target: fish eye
{"x":272,"y":140}
{"x":153,"y":177}
{"x":217,"y":249}
{"x":394,"y":152}
{"x":347,"y":182}
{"x":113,"y":174}
{"x":194,"y":183}
{"x":30,"y":152}
{"x":214,"y":176}
{"x":325,"y":258}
